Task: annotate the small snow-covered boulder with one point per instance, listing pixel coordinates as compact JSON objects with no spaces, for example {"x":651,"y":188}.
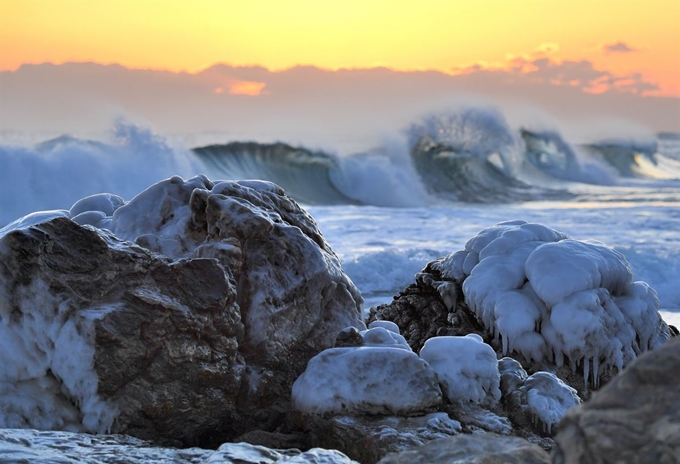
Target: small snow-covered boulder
{"x":368,"y":379}
{"x":467,"y":368}
{"x":379,"y":335}
{"x":548,"y":399}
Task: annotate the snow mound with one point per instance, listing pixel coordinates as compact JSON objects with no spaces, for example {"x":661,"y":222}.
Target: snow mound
{"x":467,"y":368}
{"x":545,"y":296}
{"x":368,"y":379}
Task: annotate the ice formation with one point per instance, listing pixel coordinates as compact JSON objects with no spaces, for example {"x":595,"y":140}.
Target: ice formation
{"x":467,"y":368}
{"x":544,"y":295}
{"x":378,"y":379}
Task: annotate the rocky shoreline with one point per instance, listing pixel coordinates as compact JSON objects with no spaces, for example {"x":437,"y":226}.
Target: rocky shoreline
{"x":203,"y":313}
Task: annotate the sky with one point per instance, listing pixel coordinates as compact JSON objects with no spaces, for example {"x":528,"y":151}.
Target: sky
{"x":623,"y":47}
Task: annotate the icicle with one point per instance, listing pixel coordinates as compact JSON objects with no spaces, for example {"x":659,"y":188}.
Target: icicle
{"x":559,"y":357}
{"x":596,"y":377}
{"x":505,"y":344}
{"x":586,"y":368}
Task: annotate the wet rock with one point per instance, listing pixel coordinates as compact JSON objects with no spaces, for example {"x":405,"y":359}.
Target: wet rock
{"x":473,"y":449}
{"x":367,"y":439}
{"x":633,"y":419}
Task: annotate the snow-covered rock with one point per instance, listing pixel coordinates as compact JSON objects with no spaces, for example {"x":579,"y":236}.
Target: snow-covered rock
{"x":183,"y":315}
{"x":368,"y":379}
{"x":467,"y":368}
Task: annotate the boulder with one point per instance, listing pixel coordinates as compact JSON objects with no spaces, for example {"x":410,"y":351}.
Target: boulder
{"x":183,"y":316}
{"x":486,"y":448}
{"x":633,"y":419}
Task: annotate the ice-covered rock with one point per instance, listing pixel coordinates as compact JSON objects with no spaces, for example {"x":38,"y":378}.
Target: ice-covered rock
{"x":183,"y":315}
{"x":368,"y":379}
{"x":486,"y":448}
{"x":467,"y":368}
{"x":635,"y":418}
{"x":545,"y":296}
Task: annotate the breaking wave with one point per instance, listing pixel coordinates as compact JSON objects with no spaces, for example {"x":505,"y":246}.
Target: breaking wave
{"x":468,"y":155}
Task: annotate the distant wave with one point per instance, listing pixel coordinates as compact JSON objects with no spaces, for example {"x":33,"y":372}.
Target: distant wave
{"x":304,"y":174}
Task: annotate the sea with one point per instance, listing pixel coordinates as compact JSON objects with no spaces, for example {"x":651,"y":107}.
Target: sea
{"x":390,"y":207}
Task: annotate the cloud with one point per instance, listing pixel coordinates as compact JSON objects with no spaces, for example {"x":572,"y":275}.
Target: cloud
{"x":311,"y":105}
{"x":543,"y":66}
{"x":617,"y":47}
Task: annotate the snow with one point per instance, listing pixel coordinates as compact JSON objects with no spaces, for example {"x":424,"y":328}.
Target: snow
{"x":367,"y":379}
{"x":546,"y":296}
{"x":548,"y":398}
{"x":466,"y":366}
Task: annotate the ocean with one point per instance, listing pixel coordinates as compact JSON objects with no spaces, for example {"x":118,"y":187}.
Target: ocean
{"x":413,"y":196}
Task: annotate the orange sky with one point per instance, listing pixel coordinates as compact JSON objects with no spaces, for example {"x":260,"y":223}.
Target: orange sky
{"x":400,"y":34}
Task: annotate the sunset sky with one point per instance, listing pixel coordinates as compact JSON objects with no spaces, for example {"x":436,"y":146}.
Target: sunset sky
{"x":631,"y":39}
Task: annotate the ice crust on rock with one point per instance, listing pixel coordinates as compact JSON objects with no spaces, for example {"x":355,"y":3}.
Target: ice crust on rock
{"x":467,"y":368}
{"x":547,"y":297}
{"x":367,"y":379}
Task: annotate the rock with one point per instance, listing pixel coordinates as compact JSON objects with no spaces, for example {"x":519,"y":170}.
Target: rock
{"x":582,"y":320}
{"x":633,"y":419}
{"x":367,"y":439}
{"x":421,"y":312}
{"x":185,"y":321}
{"x":75,"y":448}
{"x":486,"y":448}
